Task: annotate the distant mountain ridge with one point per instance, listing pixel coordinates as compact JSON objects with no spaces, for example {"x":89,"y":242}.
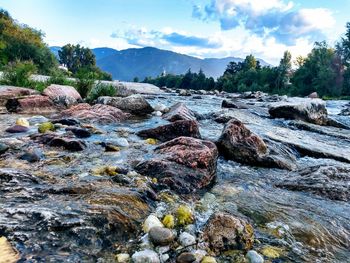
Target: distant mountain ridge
{"x":151,"y":62}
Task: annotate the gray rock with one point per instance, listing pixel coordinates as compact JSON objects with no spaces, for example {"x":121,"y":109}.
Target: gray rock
{"x":37,"y":120}
{"x":161,"y":236}
{"x":33,"y":155}
{"x":134,"y":104}
{"x":186,"y":257}
{"x":179,"y":112}
{"x":187,"y":239}
{"x":254,"y":257}
{"x":3,"y":148}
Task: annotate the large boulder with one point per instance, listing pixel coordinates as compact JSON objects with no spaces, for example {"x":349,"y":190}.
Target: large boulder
{"x":63,"y":95}
{"x":173,"y":130}
{"x":179,"y":112}
{"x":134,"y":104}
{"x":225,"y":232}
{"x":331,"y":181}
{"x":100,"y":113}
{"x":305,"y":109}
{"x":10,"y":92}
{"x":35,"y":104}
{"x":238,"y":143}
{"x":184,"y":164}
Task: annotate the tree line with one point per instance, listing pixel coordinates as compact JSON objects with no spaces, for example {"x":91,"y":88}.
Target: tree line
{"x":325,"y":70}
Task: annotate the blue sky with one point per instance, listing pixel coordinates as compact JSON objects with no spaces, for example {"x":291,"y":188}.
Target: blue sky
{"x":203,"y":28}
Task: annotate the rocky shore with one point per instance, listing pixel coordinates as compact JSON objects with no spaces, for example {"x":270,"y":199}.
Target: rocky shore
{"x":180,"y":176}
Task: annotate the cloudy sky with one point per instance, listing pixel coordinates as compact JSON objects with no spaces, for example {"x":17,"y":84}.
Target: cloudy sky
{"x":202,"y":28}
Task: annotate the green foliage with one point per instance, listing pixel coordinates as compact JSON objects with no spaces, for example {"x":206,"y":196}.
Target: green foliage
{"x":101,"y":89}
{"x":85,"y":81}
{"x":19,"y":42}
{"x":18,"y":74}
{"x":195,"y":81}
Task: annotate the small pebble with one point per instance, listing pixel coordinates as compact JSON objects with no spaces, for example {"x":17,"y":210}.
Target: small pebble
{"x":145,"y":256}
{"x":123,"y":258}
{"x":161,"y":236}
{"x":187,"y":239}
{"x":254,"y":257}
{"x":186,"y":257}
{"x":150,"y":222}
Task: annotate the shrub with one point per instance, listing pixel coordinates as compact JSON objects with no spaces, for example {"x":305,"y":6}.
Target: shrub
{"x":18,"y":74}
{"x":85,"y":81}
{"x":101,"y":89}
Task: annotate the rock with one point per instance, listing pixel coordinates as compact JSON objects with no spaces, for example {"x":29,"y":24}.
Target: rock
{"x":173,"y":130}
{"x":22,"y":122}
{"x":179,"y":112}
{"x":151,"y":141}
{"x":184,"y":215}
{"x":37,"y":120}
{"x":254,"y":257}
{"x":55,"y":140}
{"x":186,"y":257}
{"x":79,"y":132}
{"x":225,"y":232}
{"x":17,"y":129}
{"x":168,"y":221}
{"x":10,"y":92}
{"x":8,"y":254}
{"x":34,"y":155}
{"x":64,"y":95}
{"x":313,"y":95}
{"x":184,"y":164}
{"x":123,"y":258}
{"x":161,"y":107}
{"x":134,"y":104}
{"x":36,"y":104}
{"x":184,"y":92}
{"x":309,"y":110}
{"x":67,"y":122}
{"x":145,"y":256}
{"x":3,"y":148}
{"x":150,"y":222}
{"x":187,"y":239}
{"x":238,"y":143}
{"x":100,"y":113}
{"x":232,"y":105}
{"x":271,"y":252}
{"x":345,"y":112}
{"x":106,"y":100}
{"x":46,"y":127}
{"x":330,"y":181}
{"x":208,"y":260}
{"x":161,"y":236}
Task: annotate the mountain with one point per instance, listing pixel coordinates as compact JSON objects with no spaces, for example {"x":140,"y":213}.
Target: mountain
{"x":151,"y":62}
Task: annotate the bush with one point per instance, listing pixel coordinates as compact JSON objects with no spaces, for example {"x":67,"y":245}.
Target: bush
{"x":100,"y":90}
{"x":85,"y":81}
{"x":18,"y":74}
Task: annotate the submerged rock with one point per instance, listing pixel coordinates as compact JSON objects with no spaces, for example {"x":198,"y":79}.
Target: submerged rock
{"x":17,"y":129}
{"x":226,"y":232}
{"x":100,"y":113}
{"x":238,"y":143}
{"x":254,"y":257}
{"x":179,"y":112}
{"x":330,"y":181}
{"x":3,"y":148}
{"x":79,"y":132}
{"x":173,"y":130}
{"x":309,"y":110}
{"x":232,"y":105}
{"x":184,"y":164}
{"x":34,"y":155}
{"x":55,"y":140}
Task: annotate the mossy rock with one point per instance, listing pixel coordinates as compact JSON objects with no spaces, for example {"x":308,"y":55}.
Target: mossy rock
{"x":271,"y":252}
{"x":184,"y":215}
{"x":151,"y":141}
{"x":169,"y":221}
{"x":46,"y":126}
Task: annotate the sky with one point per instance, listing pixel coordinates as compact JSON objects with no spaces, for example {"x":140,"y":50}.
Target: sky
{"x":201,"y":28}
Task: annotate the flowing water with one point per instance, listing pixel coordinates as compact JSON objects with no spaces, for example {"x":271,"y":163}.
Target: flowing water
{"x":58,"y":209}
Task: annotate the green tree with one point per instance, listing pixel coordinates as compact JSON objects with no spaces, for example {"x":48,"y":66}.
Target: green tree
{"x":284,"y":71}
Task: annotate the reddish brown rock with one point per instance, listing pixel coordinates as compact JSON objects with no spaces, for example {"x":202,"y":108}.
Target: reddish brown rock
{"x":184,"y":164}
{"x":35,"y":104}
{"x":98,"y":112}
{"x":172,"y":131}
{"x":17,"y":129}
{"x":9,"y":92}
{"x":54,"y":91}
{"x":240,"y":144}
{"x":226,"y":232}
{"x":179,"y":112}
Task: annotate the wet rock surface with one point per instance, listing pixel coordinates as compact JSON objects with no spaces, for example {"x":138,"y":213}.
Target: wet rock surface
{"x":92,"y":205}
{"x":179,"y":112}
{"x":173,"y":130}
{"x":196,"y":159}
{"x":35,"y":104}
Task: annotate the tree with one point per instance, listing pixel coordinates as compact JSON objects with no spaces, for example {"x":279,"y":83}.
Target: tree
{"x":19,"y":42}
{"x":343,"y":51}
{"x":284,"y":70}
{"x":75,"y":57}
